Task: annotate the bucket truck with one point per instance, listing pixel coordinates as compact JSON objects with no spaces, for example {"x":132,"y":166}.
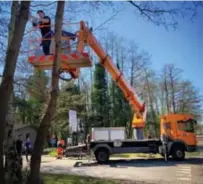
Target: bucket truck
{"x":177,"y":131}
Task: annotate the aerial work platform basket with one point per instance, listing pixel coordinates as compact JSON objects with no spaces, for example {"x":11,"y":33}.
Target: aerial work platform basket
{"x":71,"y":60}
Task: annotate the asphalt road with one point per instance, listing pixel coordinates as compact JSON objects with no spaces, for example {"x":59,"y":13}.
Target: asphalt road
{"x":144,"y":170}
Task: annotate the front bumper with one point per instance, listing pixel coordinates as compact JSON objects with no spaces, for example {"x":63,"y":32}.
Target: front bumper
{"x":191,"y":148}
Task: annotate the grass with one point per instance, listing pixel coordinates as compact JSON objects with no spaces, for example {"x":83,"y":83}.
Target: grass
{"x":142,"y":155}
{"x":73,"y":179}
{"x":197,"y":153}
{"x":46,"y":151}
{"x":137,"y":155}
{"x":53,"y":153}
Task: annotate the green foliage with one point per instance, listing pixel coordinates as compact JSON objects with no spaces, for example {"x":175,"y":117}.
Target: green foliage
{"x":120,"y":111}
{"x":37,"y":86}
{"x":71,"y":179}
{"x":53,"y":153}
{"x":100,"y":99}
{"x":70,"y":98}
{"x":30,"y":110}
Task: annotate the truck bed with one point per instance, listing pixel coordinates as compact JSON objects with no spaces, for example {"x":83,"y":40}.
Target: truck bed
{"x":130,"y":146}
{"x":131,"y":141}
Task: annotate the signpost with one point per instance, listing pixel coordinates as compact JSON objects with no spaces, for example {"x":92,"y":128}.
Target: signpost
{"x":73,"y":125}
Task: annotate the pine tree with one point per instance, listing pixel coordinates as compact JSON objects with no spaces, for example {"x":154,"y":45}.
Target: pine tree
{"x":70,"y":98}
{"x":120,"y":108}
{"x":38,"y":94}
{"x":37,"y":85}
{"x":100,"y":97}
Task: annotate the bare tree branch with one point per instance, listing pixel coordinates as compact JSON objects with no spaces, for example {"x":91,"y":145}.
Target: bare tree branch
{"x":48,"y":4}
{"x":162,"y":13}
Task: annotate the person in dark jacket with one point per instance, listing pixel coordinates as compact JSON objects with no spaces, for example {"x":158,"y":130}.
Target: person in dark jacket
{"x":27,"y":146}
{"x":44,"y":23}
{"x":19,"y":144}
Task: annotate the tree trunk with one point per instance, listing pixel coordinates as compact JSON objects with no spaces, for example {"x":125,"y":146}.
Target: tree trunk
{"x":172,"y":85}
{"x":34,"y":177}
{"x":152,"y":128}
{"x":13,"y":160}
{"x":166,"y":94}
{"x":6,"y":87}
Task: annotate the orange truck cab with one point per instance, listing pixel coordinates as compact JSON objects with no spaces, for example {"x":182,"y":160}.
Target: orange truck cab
{"x":178,"y":130}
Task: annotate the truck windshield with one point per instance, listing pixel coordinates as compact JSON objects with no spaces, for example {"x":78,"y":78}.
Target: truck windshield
{"x":188,"y":126}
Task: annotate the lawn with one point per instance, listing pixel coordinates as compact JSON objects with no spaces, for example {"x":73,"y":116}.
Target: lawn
{"x":134,"y":155}
{"x":142,"y":155}
{"x":197,"y":153}
{"x":72,"y":179}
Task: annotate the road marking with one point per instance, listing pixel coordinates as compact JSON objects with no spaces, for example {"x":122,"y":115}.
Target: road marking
{"x":187,"y":179}
{"x":184,"y":173}
{"x":181,"y":171}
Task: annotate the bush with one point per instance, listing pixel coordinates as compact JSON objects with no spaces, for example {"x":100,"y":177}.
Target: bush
{"x":53,"y":153}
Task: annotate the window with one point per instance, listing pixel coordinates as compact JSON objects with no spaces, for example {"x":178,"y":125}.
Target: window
{"x":167,"y":126}
{"x":187,"y":126}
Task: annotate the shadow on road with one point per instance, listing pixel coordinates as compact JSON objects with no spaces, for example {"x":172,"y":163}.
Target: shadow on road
{"x":123,"y":163}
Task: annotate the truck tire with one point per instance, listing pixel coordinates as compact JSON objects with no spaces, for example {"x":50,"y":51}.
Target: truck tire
{"x":102,"y":155}
{"x":178,"y":152}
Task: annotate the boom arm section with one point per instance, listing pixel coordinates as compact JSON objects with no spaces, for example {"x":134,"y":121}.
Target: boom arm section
{"x":85,"y":37}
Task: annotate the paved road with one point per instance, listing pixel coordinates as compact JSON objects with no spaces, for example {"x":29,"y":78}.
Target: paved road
{"x":149,"y":170}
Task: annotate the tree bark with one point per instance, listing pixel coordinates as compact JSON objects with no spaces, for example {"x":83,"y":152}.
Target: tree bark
{"x":6,"y":87}
{"x":172,"y":86}
{"x":166,"y":91}
{"x":34,"y":177}
{"x":152,"y":129}
{"x":13,"y":160}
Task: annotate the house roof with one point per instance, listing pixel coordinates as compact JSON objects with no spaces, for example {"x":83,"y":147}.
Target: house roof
{"x":20,"y":126}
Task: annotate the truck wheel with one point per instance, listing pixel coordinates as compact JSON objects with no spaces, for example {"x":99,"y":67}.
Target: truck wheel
{"x":178,"y":153}
{"x":102,"y":155}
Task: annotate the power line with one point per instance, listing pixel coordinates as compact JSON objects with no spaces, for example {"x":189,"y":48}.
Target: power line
{"x":106,"y":21}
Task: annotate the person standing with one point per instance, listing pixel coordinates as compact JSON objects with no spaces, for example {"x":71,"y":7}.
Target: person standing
{"x":60,"y":148}
{"x":19,"y":145}
{"x":27,"y":146}
{"x":44,"y":23}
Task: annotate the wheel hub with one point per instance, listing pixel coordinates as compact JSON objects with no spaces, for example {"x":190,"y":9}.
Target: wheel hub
{"x":179,"y":153}
{"x":102,"y":156}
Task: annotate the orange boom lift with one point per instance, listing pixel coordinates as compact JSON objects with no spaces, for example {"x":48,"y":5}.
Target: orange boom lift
{"x":177,"y":129}
{"x":72,"y":61}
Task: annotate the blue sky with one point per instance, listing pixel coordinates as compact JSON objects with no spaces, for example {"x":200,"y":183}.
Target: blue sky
{"x":183,"y":47}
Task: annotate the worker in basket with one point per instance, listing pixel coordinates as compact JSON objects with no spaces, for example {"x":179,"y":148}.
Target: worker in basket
{"x":60,"y":148}
{"x":44,"y":23}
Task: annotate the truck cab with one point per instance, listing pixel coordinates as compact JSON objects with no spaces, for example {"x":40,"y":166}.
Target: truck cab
{"x":178,"y":130}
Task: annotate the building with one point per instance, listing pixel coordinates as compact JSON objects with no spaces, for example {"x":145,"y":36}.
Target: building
{"x":26,"y":129}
